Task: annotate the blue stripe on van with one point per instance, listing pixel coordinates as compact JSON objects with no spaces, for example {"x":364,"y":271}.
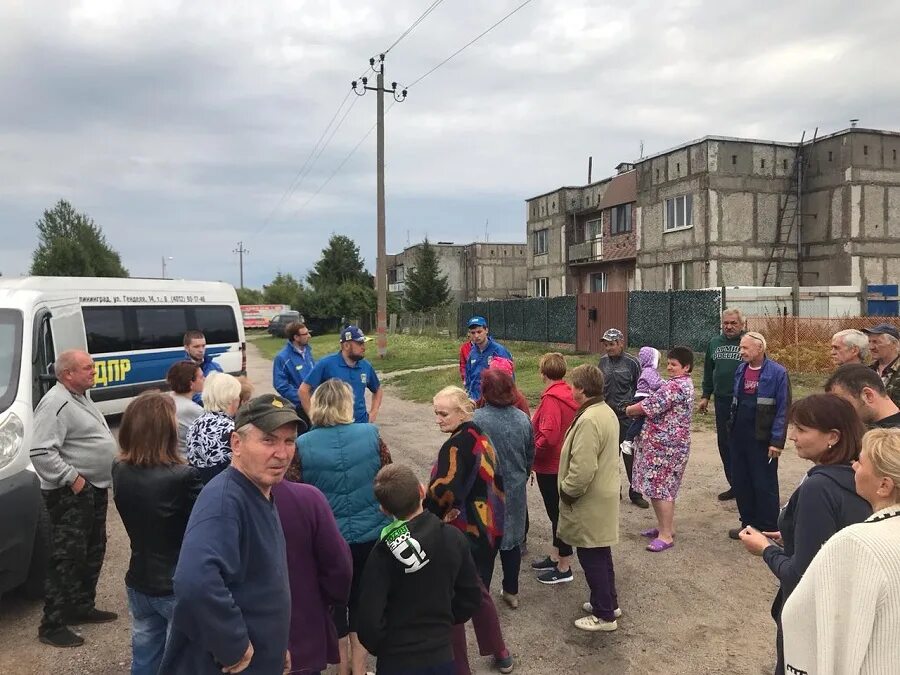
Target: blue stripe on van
{"x":144,"y":367}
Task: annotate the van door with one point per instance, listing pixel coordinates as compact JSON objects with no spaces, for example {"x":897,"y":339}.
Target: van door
{"x":42,"y":356}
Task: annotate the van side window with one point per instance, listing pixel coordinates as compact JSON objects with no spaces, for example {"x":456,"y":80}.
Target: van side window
{"x":160,"y":327}
{"x":217,"y":323}
{"x":105,"y":329}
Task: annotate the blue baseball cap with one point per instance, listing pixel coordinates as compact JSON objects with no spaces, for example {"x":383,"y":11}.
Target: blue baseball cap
{"x":477,"y":321}
{"x":353,"y":334}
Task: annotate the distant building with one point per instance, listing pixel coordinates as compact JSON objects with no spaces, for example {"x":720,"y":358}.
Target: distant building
{"x":477,"y":271}
{"x":718,"y":211}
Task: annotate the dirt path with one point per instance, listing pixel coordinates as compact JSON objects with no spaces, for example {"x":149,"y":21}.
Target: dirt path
{"x":702,"y":607}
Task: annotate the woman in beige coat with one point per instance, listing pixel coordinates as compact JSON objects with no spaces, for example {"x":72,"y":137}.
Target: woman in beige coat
{"x":589,"y":495}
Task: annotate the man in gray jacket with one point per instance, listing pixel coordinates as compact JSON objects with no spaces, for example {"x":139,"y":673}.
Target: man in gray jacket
{"x":72,"y":453}
{"x":621,"y":372}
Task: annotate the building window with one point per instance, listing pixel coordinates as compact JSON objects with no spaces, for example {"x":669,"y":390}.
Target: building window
{"x":829,"y":155}
{"x":865,"y":149}
{"x":733,"y":160}
{"x":657,"y":174}
{"x":679,"y":213}
{"x":541,"y":240}
{"x":784,"y":164}
{"x":598,"y":282}
{"x":620,"y":219}
{"x":542,"y":287}
{"x":679,"y":276}
{"x":593,"y":229}
{"x":895,"y":155}
{"x":678,"y":168}
{"x":762,"y":164}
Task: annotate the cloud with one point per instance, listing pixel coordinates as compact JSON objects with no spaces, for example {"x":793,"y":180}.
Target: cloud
{"x":178,"y":126}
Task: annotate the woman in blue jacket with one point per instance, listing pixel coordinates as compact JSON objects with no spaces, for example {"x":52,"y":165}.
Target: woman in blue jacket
{"x":341,"y":459}
{"x":762,"y":396}
{"x":827,"y":431}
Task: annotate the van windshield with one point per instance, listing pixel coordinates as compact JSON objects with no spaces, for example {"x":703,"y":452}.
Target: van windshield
{"x":10,"y":355}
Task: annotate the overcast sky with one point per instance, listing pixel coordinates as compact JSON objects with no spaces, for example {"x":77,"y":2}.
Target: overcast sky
{"x":179,"y":126}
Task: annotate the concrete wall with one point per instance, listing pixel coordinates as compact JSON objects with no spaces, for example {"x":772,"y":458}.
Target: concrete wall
{"x":550,"y":212}
{"x":498,"y":271}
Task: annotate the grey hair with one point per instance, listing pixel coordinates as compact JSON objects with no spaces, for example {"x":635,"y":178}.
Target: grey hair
{"x":759,"y":338}
{"x":219,"y":391}
{"x":854,"y":338}
{"x":736,"y":312}
{"x":66,"y":361}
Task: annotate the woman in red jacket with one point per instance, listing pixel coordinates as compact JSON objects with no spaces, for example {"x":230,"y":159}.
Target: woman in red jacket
{"x":552,"y":418}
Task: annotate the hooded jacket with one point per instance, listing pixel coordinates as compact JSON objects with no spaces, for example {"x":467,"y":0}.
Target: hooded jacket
{"x":552,"y":418}
{"x":824,"y":503}
{"x":650,"y":380}
{"x":418,"y":581}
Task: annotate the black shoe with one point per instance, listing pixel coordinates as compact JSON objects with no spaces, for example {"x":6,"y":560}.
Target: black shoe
{"x":554,"y":576}
{"x":93,"y":616}
{"x":61,"y":637}
{"x":726,"y":496}
{"x":640,"y":502}
{"x":543,"y":564}
{"x":735,"y":532}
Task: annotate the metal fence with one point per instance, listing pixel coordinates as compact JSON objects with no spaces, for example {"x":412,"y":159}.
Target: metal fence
{"x":531,"y":320}
{"x":439,"y":322}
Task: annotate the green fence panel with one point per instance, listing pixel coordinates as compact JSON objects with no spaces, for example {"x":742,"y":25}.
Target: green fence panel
{"x":497,"y":320}
{"x":535,"y":320}
{"x":514,"y":313}
{"x":561,"y":319}
{"x":649,"y":317}
{"x":465,"y":312}
{"x":695,"y":317}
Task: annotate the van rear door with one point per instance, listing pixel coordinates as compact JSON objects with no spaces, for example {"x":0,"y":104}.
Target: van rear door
{"x":57,"y":327}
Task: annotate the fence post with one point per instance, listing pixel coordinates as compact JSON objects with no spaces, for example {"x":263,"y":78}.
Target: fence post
{"x":796,"y":344}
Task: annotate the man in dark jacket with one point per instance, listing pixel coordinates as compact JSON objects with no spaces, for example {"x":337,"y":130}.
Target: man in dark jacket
{"x":233,"y":599}
{"x":861,"y":386}
{"x":621,"y":372}
{"x":418,"y":582}
{"x":723,"y":355}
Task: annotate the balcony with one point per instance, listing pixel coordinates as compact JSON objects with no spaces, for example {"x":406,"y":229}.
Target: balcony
{"x":586,"y":252}
{"x":397,"y":287}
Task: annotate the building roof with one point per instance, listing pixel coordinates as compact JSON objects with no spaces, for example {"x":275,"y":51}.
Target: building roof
{"x":621,"y":190}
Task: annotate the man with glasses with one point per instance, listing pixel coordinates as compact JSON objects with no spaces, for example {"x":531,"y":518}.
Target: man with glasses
{"x":292,"y":364}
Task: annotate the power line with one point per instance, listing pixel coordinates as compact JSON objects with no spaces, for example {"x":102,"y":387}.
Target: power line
{"x":414,"y":24}
{"x":467,"y":45}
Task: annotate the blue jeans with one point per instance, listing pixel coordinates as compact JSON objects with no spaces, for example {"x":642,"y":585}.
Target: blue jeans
{"x":151,"y":618}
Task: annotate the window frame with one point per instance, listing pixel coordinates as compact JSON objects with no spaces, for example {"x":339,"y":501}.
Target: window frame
{"x":628,"y":225}
{"x":684,"y":270}
{"x":687,"y":213}
{"x":587,"y":229}
{"x":604,"y":282}
{"x":542,"y":235}
{"x":542,"y":287}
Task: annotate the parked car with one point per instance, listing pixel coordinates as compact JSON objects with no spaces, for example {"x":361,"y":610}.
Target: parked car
{"x":281,"y":321}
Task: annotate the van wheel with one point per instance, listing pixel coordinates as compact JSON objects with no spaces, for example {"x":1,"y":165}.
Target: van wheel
{"x":33,"y":588}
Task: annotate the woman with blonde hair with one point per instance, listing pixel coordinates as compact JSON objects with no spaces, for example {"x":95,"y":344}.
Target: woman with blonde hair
{"x":466,"y":490}
{"x":341,"y":458}
{"x":208,"y":439}
{"x":844,"y":614}
{"x":154,"y":493}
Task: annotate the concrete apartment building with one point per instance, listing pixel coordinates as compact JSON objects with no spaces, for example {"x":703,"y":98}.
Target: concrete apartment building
{"x":706,"y":214}
{"x":476,"y":271}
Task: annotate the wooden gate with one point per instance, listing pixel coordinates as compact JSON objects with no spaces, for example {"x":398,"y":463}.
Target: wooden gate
{"x":598,"y":312}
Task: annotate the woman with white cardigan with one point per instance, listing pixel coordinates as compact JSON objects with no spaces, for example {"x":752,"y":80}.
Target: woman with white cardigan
{"x":844,"y":615}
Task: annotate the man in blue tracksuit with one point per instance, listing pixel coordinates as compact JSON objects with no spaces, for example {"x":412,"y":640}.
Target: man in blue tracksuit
{"x":762,"y":396}
{"x":475,"y":355}
{"x":293,"y":363}
{"x":195,"y":350}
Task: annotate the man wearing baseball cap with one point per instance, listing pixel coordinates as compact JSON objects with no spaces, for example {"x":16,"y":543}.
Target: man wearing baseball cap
{"x":620,"y":377}
{"x":233,"y":598}
{"x":476,"y":353}
{"x":350,"y":365}
{"x":884,"y":345}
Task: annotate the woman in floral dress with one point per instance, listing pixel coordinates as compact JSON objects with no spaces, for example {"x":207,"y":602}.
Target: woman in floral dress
{"x":664,"y":444}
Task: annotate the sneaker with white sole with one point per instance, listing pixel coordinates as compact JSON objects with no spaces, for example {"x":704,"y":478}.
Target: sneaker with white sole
{"x":592,"y":623}
{"x":554,"y":576}
{"x":589,"y":608}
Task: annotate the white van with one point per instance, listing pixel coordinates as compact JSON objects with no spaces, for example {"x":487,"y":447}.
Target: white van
{"x":133,"y":328}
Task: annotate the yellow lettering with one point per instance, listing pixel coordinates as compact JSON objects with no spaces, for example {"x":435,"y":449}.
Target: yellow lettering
{"x":125,"y":365}
{"x":100,"y":373}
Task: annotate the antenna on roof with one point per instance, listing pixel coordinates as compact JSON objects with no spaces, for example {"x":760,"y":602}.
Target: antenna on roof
{"x":486,"y":237}
{"x":642,"y":149}
{"x":854,"y":122}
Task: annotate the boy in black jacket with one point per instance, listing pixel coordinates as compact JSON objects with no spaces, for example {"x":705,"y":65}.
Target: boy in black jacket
{"x":418,"y":582}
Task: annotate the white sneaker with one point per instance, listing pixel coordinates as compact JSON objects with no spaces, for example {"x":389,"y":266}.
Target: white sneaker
{"x":592,"y":623}
{"x":589,"y":608}
{"x":627,"y":447}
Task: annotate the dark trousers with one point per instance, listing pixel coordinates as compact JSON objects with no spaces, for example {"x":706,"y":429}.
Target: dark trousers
{"x":627,"y":460}
{"x":547,"y":484}
{"x":77,"y":547}
{"x":511,"y":562}
{"x":601,"y":579}
{"x":754,"y":478}
{"x":487,"y":633}
{"x":723,"y":416}
{"x":442,"y":669}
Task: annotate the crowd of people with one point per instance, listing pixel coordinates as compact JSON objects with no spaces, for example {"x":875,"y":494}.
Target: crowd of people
{"x":275,"y":533}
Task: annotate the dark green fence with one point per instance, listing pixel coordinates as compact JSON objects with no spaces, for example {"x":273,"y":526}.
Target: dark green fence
{"x":532,"y":319}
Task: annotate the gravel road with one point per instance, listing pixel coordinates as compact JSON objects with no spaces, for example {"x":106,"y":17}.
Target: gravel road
{"x":702,"y":607}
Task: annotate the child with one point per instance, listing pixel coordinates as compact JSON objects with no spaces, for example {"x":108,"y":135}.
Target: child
{"x":418,"y":582}
{"x":647,"y":383}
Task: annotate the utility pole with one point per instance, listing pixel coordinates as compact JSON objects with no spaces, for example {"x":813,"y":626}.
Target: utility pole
{"x":240,"y":250}
{"x":381,"y":261}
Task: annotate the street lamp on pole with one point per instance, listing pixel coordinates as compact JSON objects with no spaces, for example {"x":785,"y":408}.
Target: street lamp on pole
{"x":164,"y":258}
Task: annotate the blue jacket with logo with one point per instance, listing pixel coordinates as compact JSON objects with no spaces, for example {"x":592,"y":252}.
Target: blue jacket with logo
{"x":477,"y":360}
{"x":341,"y":461}
{"x":360,"y":376}
{"x":289,"y":369}
{"x":773,"y":398}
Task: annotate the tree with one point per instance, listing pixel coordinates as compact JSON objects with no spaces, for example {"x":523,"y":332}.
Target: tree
{"x":283,"y":290}
{"x":426,"y":287}
{"x":340,"y":264}
{"x":70,"y":244}
{"x":249,"y":296}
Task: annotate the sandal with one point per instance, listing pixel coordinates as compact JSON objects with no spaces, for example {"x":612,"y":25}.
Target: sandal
{"x":658,"y":545}
{"x":652,"y":533}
